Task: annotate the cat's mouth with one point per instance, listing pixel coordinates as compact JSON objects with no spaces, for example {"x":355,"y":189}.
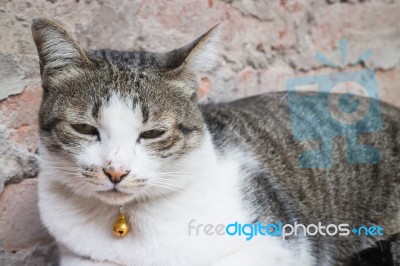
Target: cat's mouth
{"x":115,"y":196}
{"x":112,"y":191}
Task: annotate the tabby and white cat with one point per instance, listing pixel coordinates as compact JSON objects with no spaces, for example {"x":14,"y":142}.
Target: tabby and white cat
{"x":124,"y":128}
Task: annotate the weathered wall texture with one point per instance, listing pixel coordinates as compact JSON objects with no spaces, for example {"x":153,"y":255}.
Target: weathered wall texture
{"x":263,"y":44}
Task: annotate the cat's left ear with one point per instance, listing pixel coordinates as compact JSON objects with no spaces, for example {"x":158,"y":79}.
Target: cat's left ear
{"x":194,"y":58}
{"x":56,"y":48}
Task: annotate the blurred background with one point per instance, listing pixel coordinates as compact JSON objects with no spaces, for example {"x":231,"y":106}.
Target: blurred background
{"x":263,"y":43}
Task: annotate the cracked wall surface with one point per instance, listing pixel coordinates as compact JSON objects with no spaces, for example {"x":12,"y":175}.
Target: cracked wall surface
{"x":263,"y":43}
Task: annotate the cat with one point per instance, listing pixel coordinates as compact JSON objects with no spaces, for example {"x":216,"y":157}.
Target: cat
{"x":121,"y":128}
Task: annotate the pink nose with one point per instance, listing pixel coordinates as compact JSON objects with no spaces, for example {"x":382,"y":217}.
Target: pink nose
{"x":115,"y":175}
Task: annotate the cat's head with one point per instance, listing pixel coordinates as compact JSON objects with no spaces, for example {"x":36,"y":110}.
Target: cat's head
{"x":119,"y":125}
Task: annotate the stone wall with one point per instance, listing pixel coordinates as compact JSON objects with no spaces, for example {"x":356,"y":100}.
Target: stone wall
{"x":263,"y":43}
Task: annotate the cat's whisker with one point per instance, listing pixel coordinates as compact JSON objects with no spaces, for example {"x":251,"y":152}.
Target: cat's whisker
{"x":169,"y":175}
{"x":58,"y":165}
{"x":166,"y":177}
{"x":174,"y":173}
{"x":62,"y":170}
{"x":147,"y":195}
{"x":177,"y":188}
{"x":59,"y":168}
{"x":78,"y":187}
{"x":58,"y":162}
{"x":168,"y":182}
{"x":167,"y":187}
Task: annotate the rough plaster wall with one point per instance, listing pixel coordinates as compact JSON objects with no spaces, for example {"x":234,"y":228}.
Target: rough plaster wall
{"x":263,"y":44}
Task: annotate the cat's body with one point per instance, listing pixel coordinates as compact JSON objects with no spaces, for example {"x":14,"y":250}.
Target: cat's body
{"x":356,"y":194}
{"x":129,"y":121}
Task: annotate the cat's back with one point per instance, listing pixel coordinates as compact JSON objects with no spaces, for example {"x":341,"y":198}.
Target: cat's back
{"x":350,"y":183}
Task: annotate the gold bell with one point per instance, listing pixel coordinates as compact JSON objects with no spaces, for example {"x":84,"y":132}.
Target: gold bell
{"x":121,"y":226}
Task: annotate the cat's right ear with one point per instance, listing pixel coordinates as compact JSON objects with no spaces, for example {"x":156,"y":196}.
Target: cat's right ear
{"x":56,"y":48}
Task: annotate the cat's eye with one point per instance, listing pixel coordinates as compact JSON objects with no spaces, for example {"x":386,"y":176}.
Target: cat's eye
{"x":86,"y":129}
{"x":152,"y":134}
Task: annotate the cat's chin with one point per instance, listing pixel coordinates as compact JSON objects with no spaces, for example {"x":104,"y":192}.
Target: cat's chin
{"x":115,"y":198}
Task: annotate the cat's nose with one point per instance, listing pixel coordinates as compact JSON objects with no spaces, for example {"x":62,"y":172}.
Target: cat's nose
{"x":115,"y":175}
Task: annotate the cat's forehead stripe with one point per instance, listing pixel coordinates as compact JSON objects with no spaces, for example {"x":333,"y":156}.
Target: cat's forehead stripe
{"x":145,"y":112}
{"x":96,"y":108}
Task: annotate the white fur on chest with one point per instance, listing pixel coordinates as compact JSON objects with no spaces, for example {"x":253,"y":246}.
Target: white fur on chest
{"x":160,"y":228}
